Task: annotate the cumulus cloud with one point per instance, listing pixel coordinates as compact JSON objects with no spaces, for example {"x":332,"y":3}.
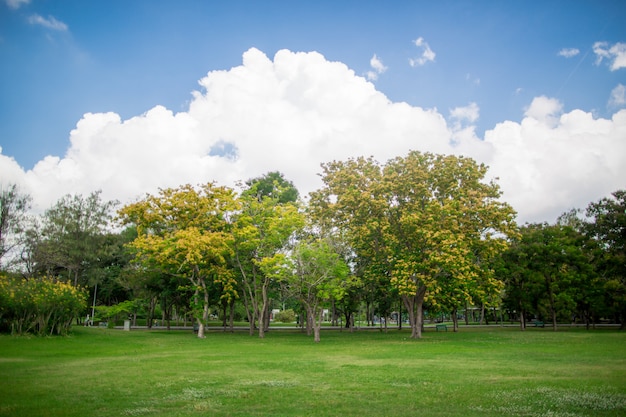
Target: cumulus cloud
{"x":462,"y":121}
{"x":49,"y":23}
{"x":615,"y":54}
{"x":377,"y":68}
{"x":618,"y":96}
{"x":568,"y":52}
{"x":298,"y":110}
{"x":468,"y":113}
{"x":16,"y":4}
{"x":427,"y":54}
{"x":545,"y":109}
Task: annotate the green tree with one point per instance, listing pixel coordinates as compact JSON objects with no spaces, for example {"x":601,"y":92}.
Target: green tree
{"x":429,"y":221}
{"x":316,"y":274}
{"x":608,"y":227}
{"x":71,"y":239}
{"x":14,"y":207}
{"x":274,"y":185}
{"x":262,"y":229}
{"x":185,"y":232}
{"x":551,"y":268}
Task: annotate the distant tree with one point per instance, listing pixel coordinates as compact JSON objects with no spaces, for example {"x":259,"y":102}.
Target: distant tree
{"x":14,"y":207}
{"x":71,"y":239}
{"x":550,"y":271}
{"x":273,"y":185}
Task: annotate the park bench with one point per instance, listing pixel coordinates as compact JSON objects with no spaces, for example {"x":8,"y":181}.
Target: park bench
{"x":539,"y":324}
{"x":441,"y":327}
{"x":103,"y":324}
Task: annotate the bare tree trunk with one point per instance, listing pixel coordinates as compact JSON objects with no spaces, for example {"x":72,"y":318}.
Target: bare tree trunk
{"x":455,"y":320}
{"x":317,"y":323}
{"x":414,"y":305}
{"x":232,"y":316}
{"x":263,"y":312}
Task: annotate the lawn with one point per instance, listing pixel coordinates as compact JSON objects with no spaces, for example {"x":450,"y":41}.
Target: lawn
{"x":475,"y":372}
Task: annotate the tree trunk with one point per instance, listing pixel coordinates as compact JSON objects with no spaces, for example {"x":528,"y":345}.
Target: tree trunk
{"x":455,"y":320}
{"x":263,"y":311}
{"x":317,"y":323}
{"x":414,"y":305}
{"x":231,"y":319}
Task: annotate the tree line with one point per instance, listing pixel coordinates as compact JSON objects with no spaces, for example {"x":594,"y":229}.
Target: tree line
{"x":415,"y":237}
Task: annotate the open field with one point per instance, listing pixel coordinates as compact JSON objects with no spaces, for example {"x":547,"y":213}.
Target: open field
{"x":476,"y":372}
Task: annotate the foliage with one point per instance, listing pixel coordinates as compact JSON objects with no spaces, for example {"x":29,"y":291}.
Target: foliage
{"x":184,"y":233}
{"x":263,"y":227}
{"x":71,"y":239}
{"x":427,"y":221}
{"x":272,"y":185}
{"x":315,"y":274}
{"x":285,"y":316}
{"x":14,"y":207}
{"x":42,"y":306}
{"x":608,"y":227}
{"x":549,"y":272}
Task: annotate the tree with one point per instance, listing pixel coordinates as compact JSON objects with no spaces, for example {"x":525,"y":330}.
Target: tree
{"x":184,"y":232}
{"x":316,"y":274}
{"x":274,"y":185}
{"x":72,"y":236}
{"x":14,"y":207}
{"x":262,"y":229}
{"x":608,"y":227}
{"x":428,"y":221}
{"x":551,"y":271}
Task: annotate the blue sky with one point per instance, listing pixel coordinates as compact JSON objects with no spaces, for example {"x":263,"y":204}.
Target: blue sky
{"x":62,"y":59}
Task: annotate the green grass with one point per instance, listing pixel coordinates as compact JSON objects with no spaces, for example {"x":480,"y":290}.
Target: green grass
{"x":476,"y":372}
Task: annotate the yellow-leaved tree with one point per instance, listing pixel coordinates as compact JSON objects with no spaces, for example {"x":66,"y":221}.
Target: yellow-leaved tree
{"x":185,"y":232}
{"x":430,"y":222}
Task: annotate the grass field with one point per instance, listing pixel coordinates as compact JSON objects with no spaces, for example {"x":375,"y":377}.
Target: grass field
{"x":476,"y":372}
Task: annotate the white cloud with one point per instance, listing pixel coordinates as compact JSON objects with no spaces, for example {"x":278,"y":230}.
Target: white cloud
{"x":549,"y":164}
{"x":427,"y":54}
{"x":462,"y":126}
{"x":16,"y":4}
{"x":468,"y":113}
{"x":298,"y":110}
{"x":618,"y":96}
{"x":615,"y":53}
{"x":49,"y":23}
{"x":377,"y":68}
{"x":544,"y":109}
{"x":568,"y":52}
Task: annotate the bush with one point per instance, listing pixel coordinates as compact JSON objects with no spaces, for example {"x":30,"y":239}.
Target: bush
{"x":41,"y":306}
{"x":285,"y":316}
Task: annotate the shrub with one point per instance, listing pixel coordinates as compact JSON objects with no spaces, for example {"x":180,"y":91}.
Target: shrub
{"x":41,"y":306}
{"x":285,"y":316}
